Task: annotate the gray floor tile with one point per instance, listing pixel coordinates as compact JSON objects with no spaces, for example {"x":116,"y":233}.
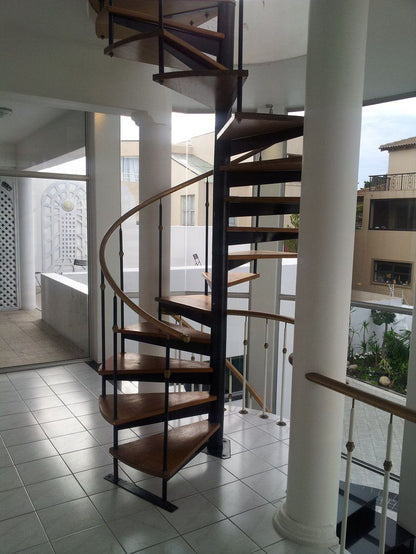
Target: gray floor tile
{"x":91,"y":421}
{"x":42,"y":470}
{"x":72,"y":386}
{"x":38,"y":392}
{"x":258,"y":525}
{"x":234,"y":498}
{"x":74,"y":442}
{"x":118,"y":503}
{"x":54,"y":491}
{"x":92,"y":480}
{"x":14,"y":503}
{"x":9,"y":478}
{"x":252,"y":437}
{"x":16,"y":420}
{"x":174,"y":546}
{"x":28,"y":452}
{"x":223,"y":536}
{"x":68,"y":518}
{"x":271,"y":485}
{"x":87,"y":459}
{"x":178,"y":486}
{"x":5,"y":460}
{"x":10,"y":408}
{"x":20,"y":533}
{"x":193,"y":513}
{"x":23,"y":435}
{"x":43,"y":402}
{"x":76,"y":397}
{"x":275,"y":454}
{"x":142,"y":530}
{"x":98,"y":540}
{"x":84,"y":408}
{"x":62,"y":427}
{"x":58,"y":378}
{"x":52,"y":414}
{"x":44,"y":548}
{"x":244,"y":464}
{"x":207,"y":476}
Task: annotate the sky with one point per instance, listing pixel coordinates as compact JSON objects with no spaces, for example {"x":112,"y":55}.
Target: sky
{"x":381,"y":123}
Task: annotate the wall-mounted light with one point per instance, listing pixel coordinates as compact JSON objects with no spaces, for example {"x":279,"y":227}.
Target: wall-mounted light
{"x":5,"y":111}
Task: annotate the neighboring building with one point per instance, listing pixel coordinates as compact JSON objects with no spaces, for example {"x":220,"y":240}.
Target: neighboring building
{"x":385,"y":239}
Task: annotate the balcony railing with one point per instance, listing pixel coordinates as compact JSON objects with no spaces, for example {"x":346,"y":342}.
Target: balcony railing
{"x":392,"y":181}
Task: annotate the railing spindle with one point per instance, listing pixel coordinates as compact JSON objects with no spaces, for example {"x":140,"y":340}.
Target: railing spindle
{"x":350,"y":448}
{"x":245,"y":343}
{"x":387,"y":469}
{"x":161,"y":42}
{"x":206,"y":232}
{"x":121,"y":266}
{"x":266,"y":359}
{"x":160,"y":228}
{"x":103,"y":355}
{"x":282,"y":385}
{"x":230,"y":389}
{"x":240,"y":55}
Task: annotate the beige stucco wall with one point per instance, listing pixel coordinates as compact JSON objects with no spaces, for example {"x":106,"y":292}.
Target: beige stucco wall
{"x":394,"y":246}
{"x":402,"y":161}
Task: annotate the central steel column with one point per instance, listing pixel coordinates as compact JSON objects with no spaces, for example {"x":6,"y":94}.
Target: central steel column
{"x":334,"y":94}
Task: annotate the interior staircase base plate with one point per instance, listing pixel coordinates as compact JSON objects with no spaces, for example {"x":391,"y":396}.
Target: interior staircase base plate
{"x":143,"y":493}
{"x":225,"y":451}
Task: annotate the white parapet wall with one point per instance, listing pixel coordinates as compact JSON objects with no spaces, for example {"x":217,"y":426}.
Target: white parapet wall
{"x":65,"y":307}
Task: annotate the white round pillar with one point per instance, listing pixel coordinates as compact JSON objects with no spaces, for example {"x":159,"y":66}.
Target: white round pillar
{"x":26,"y":246}
{"x":334,"y":93}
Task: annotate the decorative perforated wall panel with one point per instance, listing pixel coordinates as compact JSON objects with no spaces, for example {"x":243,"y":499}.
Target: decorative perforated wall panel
{"x":8,"y":248}
{"x":64,"y":226}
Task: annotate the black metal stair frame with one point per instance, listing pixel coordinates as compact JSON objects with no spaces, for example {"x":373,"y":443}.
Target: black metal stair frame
{"x":163,"y":455}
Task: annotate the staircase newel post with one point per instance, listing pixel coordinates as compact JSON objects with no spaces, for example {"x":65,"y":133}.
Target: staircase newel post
{"x":387,"y":469}
{"x":226,"y":14}
{"x":115,"y":386}
{"x":282,"y":385}
{"x":245,"y":343}
{"x":266,"y":359}
{"x":166,"y":420}
{"x":350,"y":448}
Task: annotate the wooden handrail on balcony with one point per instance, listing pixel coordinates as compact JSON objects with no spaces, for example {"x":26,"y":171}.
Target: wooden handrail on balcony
{"x":262,"y":315}
{"x":366,"y":397}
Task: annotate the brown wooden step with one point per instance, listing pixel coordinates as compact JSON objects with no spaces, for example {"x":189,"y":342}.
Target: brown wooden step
{"x":248,"y":235}
{"x":248,"y":131}
{"x":178,"y":54}
{"x":193,"y":306}
{"x":204,"y":39}
{"x":133,"y":408}
{"x":184,"y":442}
{"x":215,"y":89}
{"x":235,"y":278}
{"x":280,"y":170}
{"x":240,"y":206}
{"x":236,"y":259}
{"x":190,"y":12}
{"x":131,"y":365}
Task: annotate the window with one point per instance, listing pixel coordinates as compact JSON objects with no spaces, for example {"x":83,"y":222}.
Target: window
{"x":188,"y":209}
{"x":392,"y":273}
{"x":393,"y":214}
{"x":130,"y":169}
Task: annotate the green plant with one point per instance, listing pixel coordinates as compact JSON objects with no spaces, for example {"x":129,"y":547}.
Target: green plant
{"x":291,"y":245}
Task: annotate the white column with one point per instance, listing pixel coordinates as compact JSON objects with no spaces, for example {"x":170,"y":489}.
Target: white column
{"x":154,"y":177}
{"x":104,"y":207}
{"x":26,"y":246}
{"x":407,"y":492}
{"x":334,"y":92}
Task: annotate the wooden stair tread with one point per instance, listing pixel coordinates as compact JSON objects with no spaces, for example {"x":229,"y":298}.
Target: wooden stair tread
{"x":234,"y":278}
{"x":281,"y":164}
{"x":260,"y":254}
{"x":151,"y":331}
{"x":143,"y":47}
{"x":184,"y":442}
{"x":196,"y":301}
{"x":213,"y":88}
{"x":131,"y":363}
{"x":190,"y":12}
{"x":136,"y":407}
{"x":247,"y":131}
{"x":262,"y":199}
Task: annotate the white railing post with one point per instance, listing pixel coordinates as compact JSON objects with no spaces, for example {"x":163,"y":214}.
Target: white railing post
{"x":387,"y":469}
{"x":350,"y":447}
{"x":266,"y":352}
{"x":245,"y":342}
{"x":282,"y":385}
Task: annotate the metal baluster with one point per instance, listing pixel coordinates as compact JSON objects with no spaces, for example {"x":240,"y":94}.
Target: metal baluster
{"x":245,"y":343}
{"x":206,"y":232}
{"x":240,"y":55}
{"x":200,"y":387}
{"x":266,"y":357}
{"x":387,"y":469}
{"x":282,"y":390}
{"x":166,"y":419}
{"x":102,"y":288}
{"x":110,"y":26}
{"x":121,"y":255}
{"x":161,"y":43}
{"x":230,"y":389}
{"x":160,"y":255}
{"x":350,"y":448}
{"x":115,"y":414}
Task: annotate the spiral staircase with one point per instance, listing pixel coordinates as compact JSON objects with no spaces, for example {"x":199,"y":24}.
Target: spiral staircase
{"x":199,"y":63}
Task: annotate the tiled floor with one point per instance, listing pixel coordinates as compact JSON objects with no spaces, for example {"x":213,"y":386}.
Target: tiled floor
{"x":53,"y":497}
{"x":26,"y":339}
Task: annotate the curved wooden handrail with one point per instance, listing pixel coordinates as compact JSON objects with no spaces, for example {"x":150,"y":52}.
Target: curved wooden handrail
{"x":169,"y":331}
{"x":363,"y":396}
{"x":262,"y":315}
